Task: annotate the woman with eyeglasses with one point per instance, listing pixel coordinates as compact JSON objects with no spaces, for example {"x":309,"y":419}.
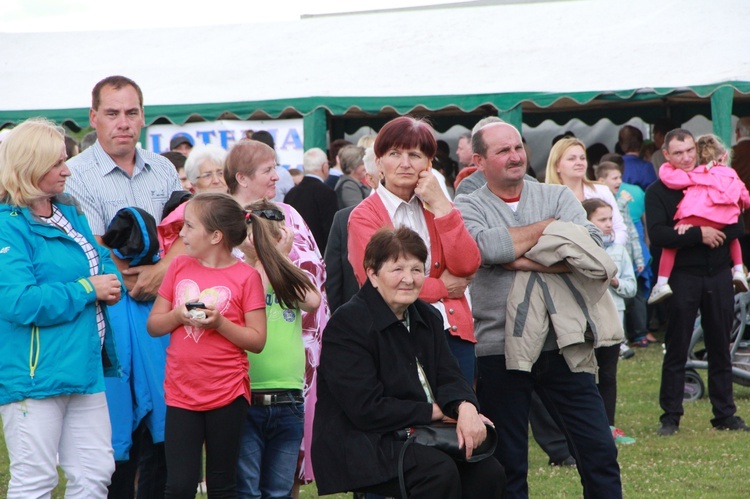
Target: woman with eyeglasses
{"x":204,"y":169}
{"x":251,"y":176}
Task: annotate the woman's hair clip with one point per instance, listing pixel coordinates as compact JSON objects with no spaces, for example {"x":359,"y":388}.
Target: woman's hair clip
{"x":248,"y":216}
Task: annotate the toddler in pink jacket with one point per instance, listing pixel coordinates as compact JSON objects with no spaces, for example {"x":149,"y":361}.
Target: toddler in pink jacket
{"x":714,"y":197}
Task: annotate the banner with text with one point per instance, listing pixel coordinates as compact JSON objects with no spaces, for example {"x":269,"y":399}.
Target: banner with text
{"x":287,"y":135}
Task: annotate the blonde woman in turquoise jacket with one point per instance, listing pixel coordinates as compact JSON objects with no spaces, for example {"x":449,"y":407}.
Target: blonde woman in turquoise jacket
{"x":55,"y":340}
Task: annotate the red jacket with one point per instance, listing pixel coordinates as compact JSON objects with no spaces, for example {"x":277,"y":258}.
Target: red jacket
{"x":451,"y":247}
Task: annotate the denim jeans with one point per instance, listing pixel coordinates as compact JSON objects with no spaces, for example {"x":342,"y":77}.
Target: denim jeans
{"x":463,"y":351}
{"x":636,"y":313}
{"x":269,"y":450}
{"x":574,"y":403}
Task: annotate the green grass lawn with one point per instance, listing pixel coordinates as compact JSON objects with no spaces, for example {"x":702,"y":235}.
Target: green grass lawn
{"x":697,"y":462}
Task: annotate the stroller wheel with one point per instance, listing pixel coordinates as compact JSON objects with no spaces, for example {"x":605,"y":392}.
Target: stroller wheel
{"x":694,"y":387}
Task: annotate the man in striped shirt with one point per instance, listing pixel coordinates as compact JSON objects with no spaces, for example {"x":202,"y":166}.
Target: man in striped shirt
{"x":110,"y":175}
{"x":113,"y":174}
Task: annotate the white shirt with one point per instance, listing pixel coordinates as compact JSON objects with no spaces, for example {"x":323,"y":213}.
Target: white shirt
{"x":403,"y":214}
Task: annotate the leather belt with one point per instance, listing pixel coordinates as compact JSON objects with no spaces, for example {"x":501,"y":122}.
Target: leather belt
{"x":277,"y":398}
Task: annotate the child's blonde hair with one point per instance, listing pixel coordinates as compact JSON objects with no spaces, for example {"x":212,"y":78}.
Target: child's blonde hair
{"x":709,"y":149}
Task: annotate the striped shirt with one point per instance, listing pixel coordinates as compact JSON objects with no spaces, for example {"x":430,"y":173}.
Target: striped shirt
{"x":102,"y":188}
{"x":58,"y":220}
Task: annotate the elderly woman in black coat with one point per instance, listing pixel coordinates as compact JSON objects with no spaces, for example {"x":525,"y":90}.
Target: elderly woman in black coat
{"x":385,"y":366}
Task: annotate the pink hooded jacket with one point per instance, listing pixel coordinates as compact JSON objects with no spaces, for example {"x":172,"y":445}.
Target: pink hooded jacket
{"x":715,"y":193}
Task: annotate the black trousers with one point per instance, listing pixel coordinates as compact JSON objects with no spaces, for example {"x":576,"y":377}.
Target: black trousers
{"x":714,"y":297}
{"x":438,"y":475}
{"x":122,"y":485}
{"x":185,"y":433}
{"x":573,"y":401}
{"x":607,"y":358}
{"x":147,"y":460}
{"x":547,"y":434}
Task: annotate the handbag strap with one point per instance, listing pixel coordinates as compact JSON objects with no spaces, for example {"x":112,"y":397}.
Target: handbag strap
{"x":401,"y":481}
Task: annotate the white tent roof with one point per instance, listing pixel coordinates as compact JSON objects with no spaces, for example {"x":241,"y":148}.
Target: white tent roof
{"x":547,"y":47}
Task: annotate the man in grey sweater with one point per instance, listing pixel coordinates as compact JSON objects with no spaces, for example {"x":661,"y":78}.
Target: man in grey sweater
{"x":506,"y":217}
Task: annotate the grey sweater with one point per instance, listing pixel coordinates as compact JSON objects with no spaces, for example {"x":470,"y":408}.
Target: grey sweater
{"x":487,"y":217}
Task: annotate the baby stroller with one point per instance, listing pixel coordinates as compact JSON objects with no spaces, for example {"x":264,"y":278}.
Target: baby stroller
{"x":739,"y":351}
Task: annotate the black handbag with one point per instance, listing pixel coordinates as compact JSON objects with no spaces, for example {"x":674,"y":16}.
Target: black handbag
{"x":442,"y":435}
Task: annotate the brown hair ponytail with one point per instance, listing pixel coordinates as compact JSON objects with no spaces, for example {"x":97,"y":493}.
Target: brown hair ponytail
{"x":288,"y":282}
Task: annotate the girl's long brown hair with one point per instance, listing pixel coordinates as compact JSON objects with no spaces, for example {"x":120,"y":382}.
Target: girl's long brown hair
{"x":288,"y":282}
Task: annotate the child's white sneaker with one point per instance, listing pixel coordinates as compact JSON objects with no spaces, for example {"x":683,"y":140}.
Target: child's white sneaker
{"x":740,"y":281}
{"x":625,"y":351}
{"x":659,"y":293}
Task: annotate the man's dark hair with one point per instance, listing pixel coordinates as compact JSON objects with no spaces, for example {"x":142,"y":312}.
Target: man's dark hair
{"x":594,"y":153}
{"x":443,"y":147}
{"x":265,"y":137}
{"x":630,"y":139}
{"x":333,"y":150}
{"x":176,"y":158}
{"x":117,"y":82}
{"x":478,"y":145}
{"x":677,"y":134}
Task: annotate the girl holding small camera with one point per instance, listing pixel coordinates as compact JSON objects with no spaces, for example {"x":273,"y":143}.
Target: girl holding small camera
{"x":207,"y":388}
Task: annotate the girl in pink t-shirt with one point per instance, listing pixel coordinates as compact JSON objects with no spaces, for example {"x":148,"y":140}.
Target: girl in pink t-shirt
{"x":714,"y":197}
{"x":206,"y":386}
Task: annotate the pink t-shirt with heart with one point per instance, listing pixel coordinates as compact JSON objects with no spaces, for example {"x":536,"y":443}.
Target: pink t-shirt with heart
{"x":204,"y":369}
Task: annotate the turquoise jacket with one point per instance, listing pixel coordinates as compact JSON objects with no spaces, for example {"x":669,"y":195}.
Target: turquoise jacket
{"x":49,"y":342}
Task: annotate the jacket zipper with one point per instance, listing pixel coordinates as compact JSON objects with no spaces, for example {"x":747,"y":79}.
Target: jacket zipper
{"x":34,"y":353}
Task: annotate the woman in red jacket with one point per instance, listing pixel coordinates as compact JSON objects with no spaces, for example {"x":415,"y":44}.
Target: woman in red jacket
{"x":411,"y":196}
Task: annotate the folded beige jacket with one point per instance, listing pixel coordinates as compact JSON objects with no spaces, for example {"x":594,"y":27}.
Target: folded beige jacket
{"x":581,"y":310}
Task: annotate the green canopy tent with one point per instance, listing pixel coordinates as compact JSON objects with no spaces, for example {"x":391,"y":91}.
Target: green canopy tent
{"x":527,"y":62}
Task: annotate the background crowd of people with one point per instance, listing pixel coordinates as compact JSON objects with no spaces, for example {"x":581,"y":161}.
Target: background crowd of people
{"x":294,"y":321}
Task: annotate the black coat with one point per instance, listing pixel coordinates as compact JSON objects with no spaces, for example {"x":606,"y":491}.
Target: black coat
{"x":341,"y":283}
{"x":368,"y":388}
{"x":317,"y":203}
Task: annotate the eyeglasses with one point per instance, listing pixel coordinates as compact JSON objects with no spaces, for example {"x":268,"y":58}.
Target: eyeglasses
{"x":275,"y":215}
{"x":209,"y":175}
